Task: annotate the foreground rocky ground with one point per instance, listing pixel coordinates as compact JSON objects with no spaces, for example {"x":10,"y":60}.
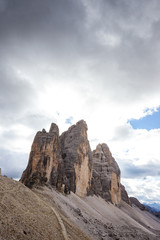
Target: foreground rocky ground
{"x":101,"y":220}
{"x":47,"y":214}
{"x":24,"y":215}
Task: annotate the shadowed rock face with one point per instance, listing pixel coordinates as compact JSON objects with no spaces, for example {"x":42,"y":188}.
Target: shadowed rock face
{"x":105,"y":175}
{"x":77,"y":158}
{"x":67,"y":163}
{"x":136,"y":202}
{"x":124,"y":195}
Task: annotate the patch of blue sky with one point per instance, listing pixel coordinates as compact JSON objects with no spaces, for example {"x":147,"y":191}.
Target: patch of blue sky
{"x":148,"y":122}
{"x":69,"y":120}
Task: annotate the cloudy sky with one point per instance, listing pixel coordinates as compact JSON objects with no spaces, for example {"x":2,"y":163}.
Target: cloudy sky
{"x":98,"y":60}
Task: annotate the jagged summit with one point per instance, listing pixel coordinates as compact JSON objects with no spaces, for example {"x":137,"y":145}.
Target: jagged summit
{"x":67,"y":163}
{"x":54,"y":128}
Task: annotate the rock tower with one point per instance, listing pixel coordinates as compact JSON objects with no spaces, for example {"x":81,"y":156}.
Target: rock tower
{"x":67,"y":163}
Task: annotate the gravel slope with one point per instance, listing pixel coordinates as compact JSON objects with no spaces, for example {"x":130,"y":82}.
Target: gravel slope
{"x":26,"y":216}
{"x":102,"y":220}
{"x":47,"y":214}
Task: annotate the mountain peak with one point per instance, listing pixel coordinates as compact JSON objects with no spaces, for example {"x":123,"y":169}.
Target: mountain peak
{"x":53,"y":128}
{"x":67,"y":163}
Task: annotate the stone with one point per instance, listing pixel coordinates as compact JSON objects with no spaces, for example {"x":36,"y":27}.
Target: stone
{"x":105,"y":175}
{"x":44,"y":158}
{"x":135,"y":201}
{"x":124,"y":195}
{"x":77,"y":158}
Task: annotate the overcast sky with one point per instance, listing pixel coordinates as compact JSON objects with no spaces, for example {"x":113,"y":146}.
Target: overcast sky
{"x":98,"y":60}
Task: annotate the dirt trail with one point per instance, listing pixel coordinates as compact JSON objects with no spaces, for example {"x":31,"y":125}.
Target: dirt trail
{"x":64,"y":232}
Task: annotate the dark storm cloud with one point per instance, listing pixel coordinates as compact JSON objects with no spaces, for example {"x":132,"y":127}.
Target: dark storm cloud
{"x":61,"y":33}
{"x":48,"y":28}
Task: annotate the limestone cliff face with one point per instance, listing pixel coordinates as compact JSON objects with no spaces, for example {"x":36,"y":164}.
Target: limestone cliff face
{"x":105,"y":175}
{"x":67,"y":163}
{"x":77,"y":158}
{"x":64,"y":162}
{"x":43,"y":159}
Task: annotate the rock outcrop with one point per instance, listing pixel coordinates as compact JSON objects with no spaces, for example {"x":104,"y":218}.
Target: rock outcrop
{"x":124,"y":195}
{"x":105,"y":175}
{"x":67,"y":163}
{"x":135,"y":201}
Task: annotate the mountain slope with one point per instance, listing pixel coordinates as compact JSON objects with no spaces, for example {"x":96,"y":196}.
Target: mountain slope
{"x":44,"y":213}
{"x":102,"y":220}
{"x":24,"y":215}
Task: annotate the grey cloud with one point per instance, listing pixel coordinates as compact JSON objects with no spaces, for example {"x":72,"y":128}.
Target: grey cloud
{"x":137,"y":55}
{"x":15,"y":95}
{"x":50,"y":27}
{"x":122,"y":133}
{"x":130,"y":170}
{"x":12,"y":164}
{"x":56,"y":32}
{"x":37,"y":121}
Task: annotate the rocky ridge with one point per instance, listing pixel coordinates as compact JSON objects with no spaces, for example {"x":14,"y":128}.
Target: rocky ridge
{"x":67,"y":163}
{"x":124,"y":195}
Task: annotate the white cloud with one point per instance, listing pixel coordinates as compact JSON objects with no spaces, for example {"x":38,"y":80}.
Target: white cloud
{"x":146,"y":189}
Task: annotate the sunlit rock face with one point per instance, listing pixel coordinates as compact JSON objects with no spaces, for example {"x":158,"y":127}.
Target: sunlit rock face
{"x":105,"y":175}
{"x":77,"y":158}
{"x":44,"y":157}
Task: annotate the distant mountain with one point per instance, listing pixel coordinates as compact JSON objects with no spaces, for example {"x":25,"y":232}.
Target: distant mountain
{"x":154,"y":205}
{"x":153,"y":208}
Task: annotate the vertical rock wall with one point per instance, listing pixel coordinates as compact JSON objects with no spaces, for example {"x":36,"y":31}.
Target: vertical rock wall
{"x":105,"y":175}
{"x":43,"y":159}
{"x":77,"y":158}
